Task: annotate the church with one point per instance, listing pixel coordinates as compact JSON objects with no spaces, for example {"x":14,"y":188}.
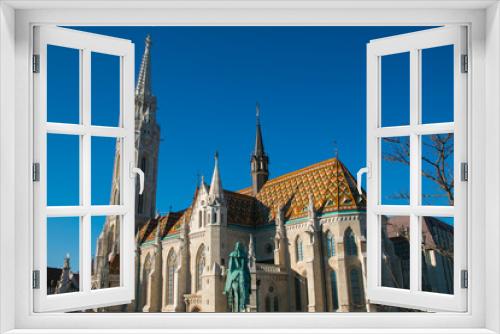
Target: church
{"x":304,"y":233}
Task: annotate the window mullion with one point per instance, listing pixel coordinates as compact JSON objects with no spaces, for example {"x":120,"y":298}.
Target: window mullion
{"x":85,"y":177}
{"x":414,"y":169}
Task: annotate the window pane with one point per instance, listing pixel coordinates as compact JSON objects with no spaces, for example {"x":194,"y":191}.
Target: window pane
{"x":395,"y":171}
{"x":63,"y":255}
{"x":395,"y":251}
{"x":437,"y":84}
{"x":63,"y":85}
{"x":395,"y":89}
{"x":437,"y":254}
{"x":105,"y":175}
{"x":63,"y":165}
{"x":105,"y":247}
{"x":437,"y":169}
{"x":105,"y":89}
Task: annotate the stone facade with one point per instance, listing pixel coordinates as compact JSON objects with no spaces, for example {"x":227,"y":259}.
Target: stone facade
{"x":305,"y":233}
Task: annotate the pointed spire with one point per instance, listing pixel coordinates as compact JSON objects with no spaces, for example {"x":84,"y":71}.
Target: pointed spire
{"x":203,"y":189}
{"x":216,"y":192}
{"x":259,"y":161}
{"x":66,"y":262}
{"x":259,"y":144}
{"x":144,"y":78}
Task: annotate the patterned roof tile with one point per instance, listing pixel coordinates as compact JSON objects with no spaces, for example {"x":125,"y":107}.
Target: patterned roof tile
{"x":332,"y":185}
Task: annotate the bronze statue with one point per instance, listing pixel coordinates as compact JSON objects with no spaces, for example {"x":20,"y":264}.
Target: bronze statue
{"x":237,"y":288}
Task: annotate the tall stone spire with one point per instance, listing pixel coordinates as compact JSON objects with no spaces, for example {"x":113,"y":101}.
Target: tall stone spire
{"x":216,"y":193}
{"x":144,"y":79}
{"x":259,"y":161}
{"x":147,"y":138}
{"x":259,"y":144}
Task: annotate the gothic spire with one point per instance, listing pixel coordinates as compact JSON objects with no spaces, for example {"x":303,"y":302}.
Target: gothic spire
{"x":259,"y":144}
{"x":260,"y":161}
{"x":144,"y":78}
{"x":66,"y":262}
{"x":216,"y":193}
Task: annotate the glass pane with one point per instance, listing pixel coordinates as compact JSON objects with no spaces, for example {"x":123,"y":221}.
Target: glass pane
{"x":395,"y":251}
{"x":105,"y":175}
{"x":437,"y":169}
{"x":395,"y":89}
{"x":395,"y":171}
{"x":105,"y":89}
{"x":63,"y":85}
{"x":63,"y":255}
{"x":63,"y":166}
{"x":437,"y":84}
{"x":105,"y":238}
{"x":437,"y":254}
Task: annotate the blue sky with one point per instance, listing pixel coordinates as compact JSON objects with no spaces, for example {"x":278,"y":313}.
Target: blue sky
{"x":309,"y":81}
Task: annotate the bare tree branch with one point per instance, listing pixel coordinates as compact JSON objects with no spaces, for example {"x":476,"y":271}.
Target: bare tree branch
{"x":435,"y":162}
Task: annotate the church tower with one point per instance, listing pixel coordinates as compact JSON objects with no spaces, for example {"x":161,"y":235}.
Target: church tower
{"x":147,"y":140}
{"x":106,"y":264}
{"x":260,"y":161}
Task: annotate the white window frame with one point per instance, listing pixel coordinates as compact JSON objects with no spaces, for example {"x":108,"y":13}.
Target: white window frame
{"x":85,"y":43}
{"x":413,"y":43}
{"x":16,"y":21}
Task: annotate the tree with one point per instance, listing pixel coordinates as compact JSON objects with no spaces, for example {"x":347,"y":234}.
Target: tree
{"x":435,"y":167}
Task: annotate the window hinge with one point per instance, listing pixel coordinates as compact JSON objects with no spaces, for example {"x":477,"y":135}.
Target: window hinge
{"x":36,"y":172}
{"x":464,"y":171}
{"x":464,"y":277}
{"x":36,"y":279}
{"x":36,"y":63}
{"x":465,"y":64}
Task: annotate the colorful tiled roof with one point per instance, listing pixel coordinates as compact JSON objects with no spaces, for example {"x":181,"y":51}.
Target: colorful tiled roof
{"x":332,"y":185}
{"x":169,"y":225}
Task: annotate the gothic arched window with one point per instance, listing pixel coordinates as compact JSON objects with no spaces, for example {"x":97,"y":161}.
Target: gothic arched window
{"x":171,"y":266}
{"x":350,"y":247}
{"x":271,"y":303}
{"x":299,"y":249}
{"x":330,"y":244}
{"x":200,"y":217}
{"x":268,"y":303}
{"x":335,"y":296}
{"x":355,"y":286}
{"x":200,"y":264}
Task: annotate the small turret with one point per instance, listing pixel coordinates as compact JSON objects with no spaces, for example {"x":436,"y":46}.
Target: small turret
{"x":216,"y":193}
{"x":66,"y":264}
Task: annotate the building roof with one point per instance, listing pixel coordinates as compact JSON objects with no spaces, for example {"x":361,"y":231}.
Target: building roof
{"x":332,"y":185}
{"x":436,"y":234}
{"x":169,"y":225}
